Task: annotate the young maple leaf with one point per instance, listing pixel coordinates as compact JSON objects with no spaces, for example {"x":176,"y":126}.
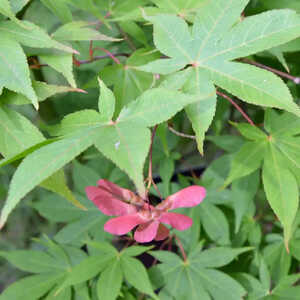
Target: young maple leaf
{"x":113,"y":200}
{"x":208,"y":47}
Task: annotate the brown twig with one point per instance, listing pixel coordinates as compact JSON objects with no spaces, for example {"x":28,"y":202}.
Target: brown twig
{"x":296,"y":80}
{"x":237,"y":107}
{"x":180,"y":247}
{"x":91,"y":50}
{"x":82,"y":62}
{"x":150,"y":177}
{"x":111,"y":55}
{"x":180,"y":133}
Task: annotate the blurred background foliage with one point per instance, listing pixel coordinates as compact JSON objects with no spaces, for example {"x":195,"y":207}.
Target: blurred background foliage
{"x":233,"y":217}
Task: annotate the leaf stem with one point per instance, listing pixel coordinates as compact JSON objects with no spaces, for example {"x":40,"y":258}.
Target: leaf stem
{"x":180,"y":133}
{"x":180,"y":247}
{"x":296,"y":80}
{"x":237,"y":107}
{"x":150,"y":176}
{"x":111,"y":55}
{"x":82,"y":62}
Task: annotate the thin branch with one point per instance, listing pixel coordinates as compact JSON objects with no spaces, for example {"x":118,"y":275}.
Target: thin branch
{"x":180,"y":247}
{"x":150,"y":177}
{"x":296,"y":80}
{"x":237,"y":107}
{"x":111,"y":55}
{"x":82,"y":62}
{"x":180,"y":133}
{"x":91,"y":50}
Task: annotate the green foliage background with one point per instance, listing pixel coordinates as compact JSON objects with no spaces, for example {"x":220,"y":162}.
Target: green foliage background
{"x":82,"y":85}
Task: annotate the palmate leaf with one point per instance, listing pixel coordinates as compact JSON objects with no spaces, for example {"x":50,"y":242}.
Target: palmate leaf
{"x":51,"y":267}
{"x":278,"y":152}
{"x":217,"y":36}
{"x":125,"y":141}
{"x":196,"y":278}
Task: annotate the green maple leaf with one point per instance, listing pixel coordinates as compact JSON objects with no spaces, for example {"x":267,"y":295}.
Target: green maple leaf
{"x":278,"y":154}
{"x":49,"y":269}
{"x":217,"y":37}
{"x":196,"y":277}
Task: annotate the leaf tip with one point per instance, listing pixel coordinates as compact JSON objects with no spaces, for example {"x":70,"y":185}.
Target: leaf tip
{"x":81,"y":91}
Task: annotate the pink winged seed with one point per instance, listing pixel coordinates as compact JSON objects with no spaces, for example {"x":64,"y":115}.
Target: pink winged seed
{"x":107,"y":203}
{"x":122,"y":225}
{"x":146,"y":232}
{"x":113,"y":200}
{"x":177,"y":221}
{"x":187,"y":197}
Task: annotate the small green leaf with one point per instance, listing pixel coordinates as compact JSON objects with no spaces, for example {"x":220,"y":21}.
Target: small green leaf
{"x":42,"y":90}
{"x":106,"y":103}
{"x":253,"y":85}
{"x":220,"y":285}
{"x":32,"y":36}
{"x":79,"y":31}
{"x":281,"y":190}
{"x":57,"y":183}
{"x":264,"y":275}
{"x":127,"y":145}
{"x":136,"y":250}
{"x":64,"y":295}
{"x":250,"y":132}
{"x":62,"y":64}
{"x":242,"y":196}
{"x":77,"y":122}
{"x":110,"y":281}
{"x":77,"y":231}
{"x":277,"y":259}
{"x":253,"y":35}
{"x":246,"y":160}
{"x":215,"y":223}
{"x":31,"y":287}
{"x":32,"y":261}
{"x":155,"y":106}
{"x":16,"y":133}
{"x":57,"y":209}
{"x":279,"y":125}
{"x":87,"y":269}
{"x":136,"y":274}
{"x":60,"y":9}
{"x":216,"y":257}
{"x":14,"y":73}
{"x":202,"y":112}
